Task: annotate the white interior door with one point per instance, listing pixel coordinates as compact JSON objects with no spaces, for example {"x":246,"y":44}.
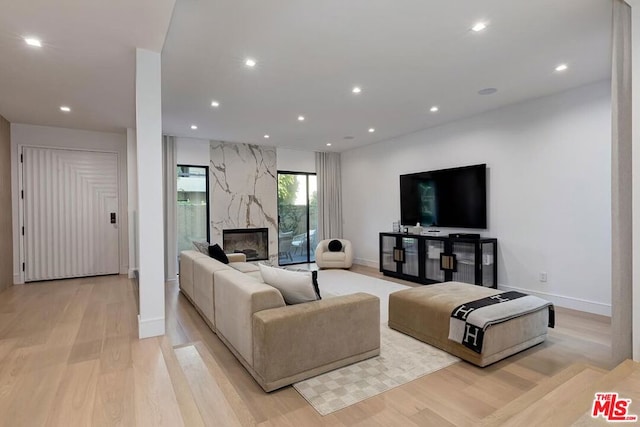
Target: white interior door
{"x":70,"y":213}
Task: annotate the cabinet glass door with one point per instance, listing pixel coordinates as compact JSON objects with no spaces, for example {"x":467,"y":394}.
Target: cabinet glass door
{"x":411,"y":265}
{"x":465,"y":260}
{"x":488,"y":262}
{"x":388,"y":243}
{"x":432,"y":251}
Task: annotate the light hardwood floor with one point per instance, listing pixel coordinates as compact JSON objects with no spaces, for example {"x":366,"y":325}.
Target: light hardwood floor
{"x":69,"y":355}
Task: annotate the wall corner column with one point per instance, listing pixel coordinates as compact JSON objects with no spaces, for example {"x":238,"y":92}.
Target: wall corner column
{"x":635,"y":181}
{"x":150,"y":218}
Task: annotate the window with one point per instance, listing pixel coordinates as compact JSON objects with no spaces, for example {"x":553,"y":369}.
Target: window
{"x":193,"y":205}
{"x":297,"y":217}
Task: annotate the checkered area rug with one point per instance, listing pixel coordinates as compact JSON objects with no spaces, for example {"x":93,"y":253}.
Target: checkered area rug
{"x":402,"y":359}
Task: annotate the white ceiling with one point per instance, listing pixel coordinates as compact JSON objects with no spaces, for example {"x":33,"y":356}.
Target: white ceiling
{"x":87,"y":60}
{"x":406,"y":55}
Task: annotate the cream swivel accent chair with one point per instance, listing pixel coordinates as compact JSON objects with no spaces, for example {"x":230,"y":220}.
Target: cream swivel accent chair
{"x":326,"y":258}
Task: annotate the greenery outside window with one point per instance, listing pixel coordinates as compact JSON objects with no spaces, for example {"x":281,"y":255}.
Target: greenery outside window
{"x":297,"y":217}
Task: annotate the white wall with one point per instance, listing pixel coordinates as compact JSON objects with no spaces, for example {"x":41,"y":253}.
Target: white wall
{"x":45,"y":136}
{"x":296,"y":160}
{"x":192,"y":151}
{"x":549,"y":193}
{"x":635,"y":135}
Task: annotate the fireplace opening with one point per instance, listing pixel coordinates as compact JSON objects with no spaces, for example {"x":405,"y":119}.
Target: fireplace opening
{"x":253,"y":242}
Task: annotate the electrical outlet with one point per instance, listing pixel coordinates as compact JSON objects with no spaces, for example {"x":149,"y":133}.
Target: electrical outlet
{"x":543,"y":276}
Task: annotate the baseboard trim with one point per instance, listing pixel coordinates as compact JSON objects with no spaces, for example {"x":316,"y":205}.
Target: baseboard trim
{"x":133,"y":273}
{"x":566,"y":302}
{"x":150,"y":327}
{"x":17,"y":279}
{"x":366,"y":262}
{"x":559,"y":300}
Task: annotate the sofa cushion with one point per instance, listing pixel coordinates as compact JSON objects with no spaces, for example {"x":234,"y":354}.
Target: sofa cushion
{"x":296,"y":286}
{"x":217,"y":253}
{"x":236,"y":257}
{"x":335,"y":246}
{"x":244,"y":267}
{"x":256,"y":275}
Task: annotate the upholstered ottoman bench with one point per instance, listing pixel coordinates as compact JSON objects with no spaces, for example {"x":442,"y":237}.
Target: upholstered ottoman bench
{"x":425,"y":313}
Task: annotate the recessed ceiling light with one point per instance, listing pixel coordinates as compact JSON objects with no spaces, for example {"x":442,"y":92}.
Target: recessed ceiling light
{"x":356,"y":89}
{"x":328,"y":144}
{"x":250,"y":62}
{"x":194,"y":127}
{"x":434,"y":109}
{"x":32,"y":41}
{"x":479,"y":26}
{"x":487,"y":91}
{"x":371,"y":130}
{"x":65,"y":109}
{"x":215,"y":104}
{"x":266,"y":137}
{"x":562,"y":67}
{"x":301,"y":118}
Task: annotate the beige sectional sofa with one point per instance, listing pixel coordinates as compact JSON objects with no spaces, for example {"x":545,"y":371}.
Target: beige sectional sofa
{"x":276,"y":343}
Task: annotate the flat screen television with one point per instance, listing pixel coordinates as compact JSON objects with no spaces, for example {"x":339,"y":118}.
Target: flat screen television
{"x":445,"y":198}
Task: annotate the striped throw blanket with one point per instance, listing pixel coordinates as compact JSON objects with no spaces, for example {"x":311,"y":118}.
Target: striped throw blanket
{"x":469,"y":321}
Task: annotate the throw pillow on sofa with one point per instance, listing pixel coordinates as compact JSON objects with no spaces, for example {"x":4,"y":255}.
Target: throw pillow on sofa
{"x":202,"y":247}
{"x":295,"y":287}
{"x":335,"y":246}
{"x":218,"y":254}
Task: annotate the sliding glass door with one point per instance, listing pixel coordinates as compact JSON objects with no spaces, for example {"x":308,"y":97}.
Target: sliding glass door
{"x":297,"y":217}
{"x":193,"y":205}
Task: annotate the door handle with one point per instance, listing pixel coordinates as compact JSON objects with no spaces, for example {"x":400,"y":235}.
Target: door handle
{"x":113,"y":217}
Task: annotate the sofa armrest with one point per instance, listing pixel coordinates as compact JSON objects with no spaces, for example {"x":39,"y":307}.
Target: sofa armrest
{"x":237,"y":297}
{"x":348,"y":254}
{"x":237,"y":257}
{"x":294,"y":339}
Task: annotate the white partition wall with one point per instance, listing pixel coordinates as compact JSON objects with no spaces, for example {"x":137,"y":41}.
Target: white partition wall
{"x":150,"y":208}
{"x":549,"y":193}
{"x":621,"y":191}
{"x":635,"y":172}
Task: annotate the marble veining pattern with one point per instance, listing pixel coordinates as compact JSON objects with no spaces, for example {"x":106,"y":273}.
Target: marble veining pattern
{"x":243,"y":185}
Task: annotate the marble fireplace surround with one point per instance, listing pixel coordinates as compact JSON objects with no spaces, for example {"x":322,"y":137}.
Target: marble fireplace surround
{"x":243,"y":191}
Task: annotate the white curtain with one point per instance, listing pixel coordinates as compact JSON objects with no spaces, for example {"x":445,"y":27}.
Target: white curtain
{"x":621,"y":192}
{"x":329,"y":195}
{"x":170,"y":178}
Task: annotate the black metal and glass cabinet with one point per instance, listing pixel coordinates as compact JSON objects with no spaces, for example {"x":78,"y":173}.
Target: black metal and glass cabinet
{"x":400,"y":256}
{"x":435,"y":259}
